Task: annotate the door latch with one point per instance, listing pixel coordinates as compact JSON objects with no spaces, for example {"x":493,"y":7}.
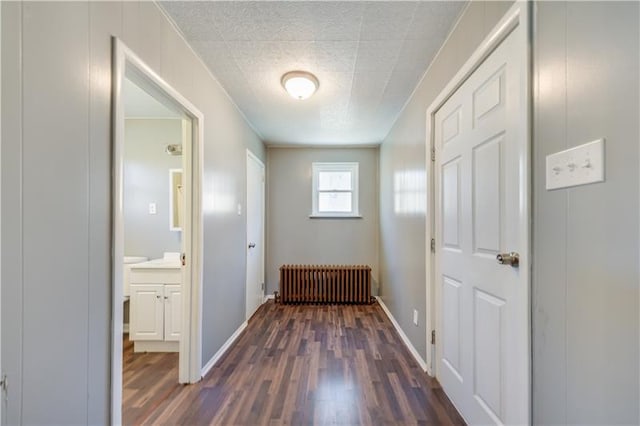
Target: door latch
{"x":512,"y":259}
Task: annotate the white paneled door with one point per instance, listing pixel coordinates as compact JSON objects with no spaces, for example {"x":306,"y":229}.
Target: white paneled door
{"x":255,"y":233}
{"x":481,"y":214}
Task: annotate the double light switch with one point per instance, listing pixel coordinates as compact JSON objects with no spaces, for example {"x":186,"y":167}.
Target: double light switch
{"x":581,"y":165}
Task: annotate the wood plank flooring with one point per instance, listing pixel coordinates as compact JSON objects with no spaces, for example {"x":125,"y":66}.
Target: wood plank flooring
{"x":295,"y":365}
{"x":148,"y":379}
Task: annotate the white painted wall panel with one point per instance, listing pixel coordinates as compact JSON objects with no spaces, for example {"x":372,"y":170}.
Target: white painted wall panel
{"x":56,"y":198}
{"x":55,"y":202}
{"x":11,"y":209}
{"x":586,"y":284}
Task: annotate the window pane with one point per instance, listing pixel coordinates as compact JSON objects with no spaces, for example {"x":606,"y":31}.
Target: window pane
{"x":331,"y":181}
{"x":334,"y":202}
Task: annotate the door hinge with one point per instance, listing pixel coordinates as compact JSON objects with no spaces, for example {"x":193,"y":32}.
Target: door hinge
{"x":183,"y":258}
{"x":262,"y":286}
{"x":433,"y":337}
{"x":433,"y":245}
{"x":433,"y":154}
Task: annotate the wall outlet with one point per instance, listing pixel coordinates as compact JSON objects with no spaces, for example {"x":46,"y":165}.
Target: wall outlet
{"x":239,"y":209}
{"x":415,"y":317}
{"x":152,"y":208}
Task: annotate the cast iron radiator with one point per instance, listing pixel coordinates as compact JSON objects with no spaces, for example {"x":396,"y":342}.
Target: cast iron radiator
{"x":325,"y":284}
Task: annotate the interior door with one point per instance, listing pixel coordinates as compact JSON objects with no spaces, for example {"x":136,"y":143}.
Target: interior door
{"x":482,"y":213}
{"x":255,"y":233}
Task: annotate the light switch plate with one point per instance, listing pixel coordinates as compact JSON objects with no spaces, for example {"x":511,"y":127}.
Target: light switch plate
{"x":152,"y":208}
{"x":580,"y":165}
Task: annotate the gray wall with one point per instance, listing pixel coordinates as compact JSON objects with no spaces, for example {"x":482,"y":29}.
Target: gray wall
{"x":56,"y":101}
{"x":585,"y":278}
{"x":292,"y":237}
{"x":146,"y":180}
{"x":402,"y":233}
{"x":585,"y":288}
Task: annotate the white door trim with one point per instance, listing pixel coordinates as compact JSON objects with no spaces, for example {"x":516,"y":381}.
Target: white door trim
{"x":1,"y":368}
{"x":517,"y":16}
{"x":127,"y":62}
{"x":252,"y":156}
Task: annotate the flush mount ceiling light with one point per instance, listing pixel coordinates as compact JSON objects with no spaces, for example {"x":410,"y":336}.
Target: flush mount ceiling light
{"x":300,"y":84}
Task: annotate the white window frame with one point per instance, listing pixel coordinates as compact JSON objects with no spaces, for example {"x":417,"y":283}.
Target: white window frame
{"x":355,"y":195}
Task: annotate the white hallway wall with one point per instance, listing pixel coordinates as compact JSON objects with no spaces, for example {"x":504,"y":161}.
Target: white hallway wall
{"x":55,"y":134}
{"x":294,"y":238}
{"x":586,"y":281}
{"x":56,"y":100}
{"x":402,"y":231}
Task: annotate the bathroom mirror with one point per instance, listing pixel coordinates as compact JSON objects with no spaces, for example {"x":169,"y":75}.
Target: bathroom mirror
{"x":175,"y":199}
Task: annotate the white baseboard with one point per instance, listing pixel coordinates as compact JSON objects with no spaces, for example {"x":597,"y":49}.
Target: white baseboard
{"x":209,"y":365}
{"x":405,"y":339}
{"x":269,"y":296}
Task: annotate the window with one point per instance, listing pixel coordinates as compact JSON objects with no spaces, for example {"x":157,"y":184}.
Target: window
{"x":335,"y":190}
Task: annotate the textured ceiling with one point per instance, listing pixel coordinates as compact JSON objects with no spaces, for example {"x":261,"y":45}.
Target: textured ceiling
{"x":368,"y":56}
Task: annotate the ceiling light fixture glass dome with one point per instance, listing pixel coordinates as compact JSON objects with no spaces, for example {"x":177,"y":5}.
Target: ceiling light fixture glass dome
{"x":300,"y":84}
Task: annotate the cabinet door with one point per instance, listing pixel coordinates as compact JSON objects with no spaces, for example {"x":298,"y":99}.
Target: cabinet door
{"x":172,"y":312}
{"x":146,"y":316}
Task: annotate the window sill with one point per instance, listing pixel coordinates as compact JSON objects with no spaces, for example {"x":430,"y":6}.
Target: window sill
{"x":335,"y":216}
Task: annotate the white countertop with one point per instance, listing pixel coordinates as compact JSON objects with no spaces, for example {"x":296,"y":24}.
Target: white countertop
{"x":158,"y":264}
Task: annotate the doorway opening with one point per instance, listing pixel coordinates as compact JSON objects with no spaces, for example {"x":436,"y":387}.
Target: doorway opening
{"x":157,"y":224}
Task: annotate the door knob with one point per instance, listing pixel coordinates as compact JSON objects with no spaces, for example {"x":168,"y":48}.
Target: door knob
{"x":252,"y":245}
{"x":512,"y":259}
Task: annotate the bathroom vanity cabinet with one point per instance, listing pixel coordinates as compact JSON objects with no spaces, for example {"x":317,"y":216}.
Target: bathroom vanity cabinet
{"x":155,"y":306}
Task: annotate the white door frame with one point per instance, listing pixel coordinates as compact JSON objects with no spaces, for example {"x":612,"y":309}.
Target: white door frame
{"x":251,"y":156}
{"x":517,"y":16}
{"x":126,"y":62}
{"x":1,"y":369}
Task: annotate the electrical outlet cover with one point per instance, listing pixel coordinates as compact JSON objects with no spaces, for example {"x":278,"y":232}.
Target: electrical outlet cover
{"x":580,"y":165}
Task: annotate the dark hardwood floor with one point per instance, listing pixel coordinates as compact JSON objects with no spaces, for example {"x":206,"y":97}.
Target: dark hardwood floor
{"x":148,"y":379}
{"x":294,"y":365}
